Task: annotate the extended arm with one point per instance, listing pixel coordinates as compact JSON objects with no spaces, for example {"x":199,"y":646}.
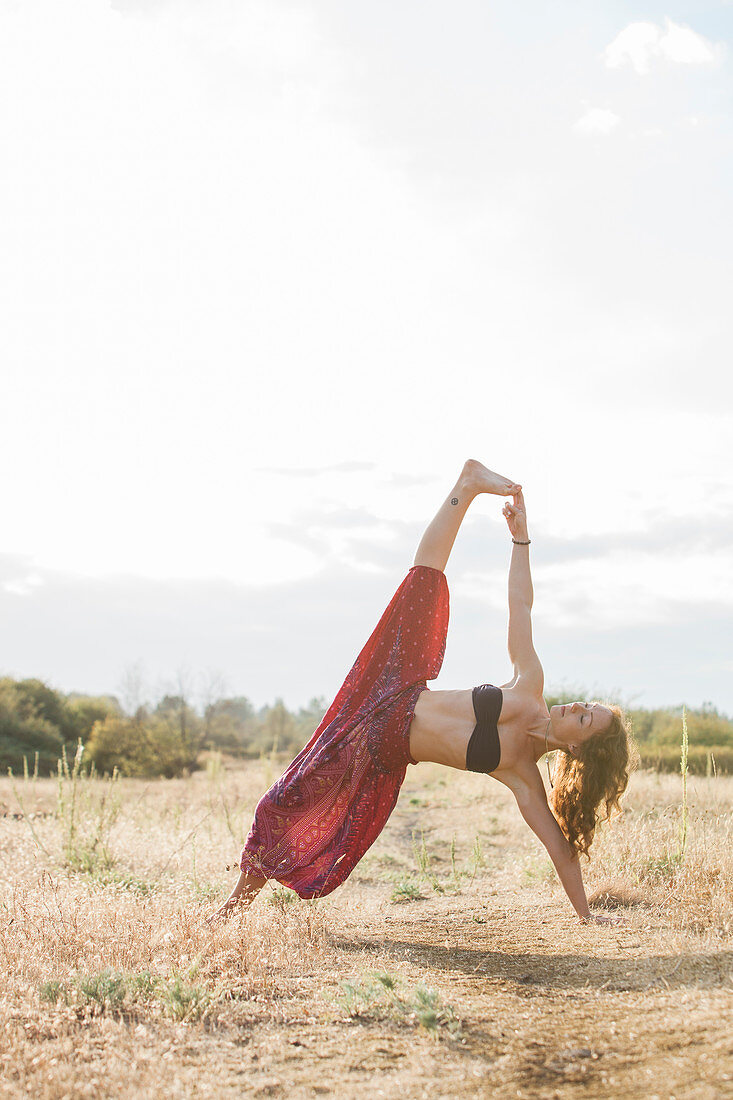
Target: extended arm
{"x":521,"y":592}
{"x":521,"y":596}
{"x":532,"y":803}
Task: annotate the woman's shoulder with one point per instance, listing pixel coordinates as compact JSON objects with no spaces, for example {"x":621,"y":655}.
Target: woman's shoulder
{"x":521,"y":711}
{"x":522,"y":704}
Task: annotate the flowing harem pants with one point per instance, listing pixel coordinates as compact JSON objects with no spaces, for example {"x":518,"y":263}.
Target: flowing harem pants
{"x":316,"y":822}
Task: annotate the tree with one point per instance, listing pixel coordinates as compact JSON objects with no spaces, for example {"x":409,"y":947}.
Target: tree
{"x":24,"y":732}
{"x":85,"y":710}
{"x":138,"y":748}
{"x":278,"y":729}
{"x":230,"y":725}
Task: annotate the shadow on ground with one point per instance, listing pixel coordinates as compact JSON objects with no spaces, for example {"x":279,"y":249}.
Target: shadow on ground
{"x":559,"y":971}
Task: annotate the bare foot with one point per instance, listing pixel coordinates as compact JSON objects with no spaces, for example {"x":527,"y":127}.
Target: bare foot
{"x":244,"y":893}
{"x":483,"y":480}
{"x":225,"y":911}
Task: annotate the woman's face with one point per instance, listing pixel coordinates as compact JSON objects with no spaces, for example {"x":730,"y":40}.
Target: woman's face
{"x":574,"y":723}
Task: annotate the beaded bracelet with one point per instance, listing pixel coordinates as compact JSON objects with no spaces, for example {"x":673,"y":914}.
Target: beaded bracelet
{"x":518,"y":543}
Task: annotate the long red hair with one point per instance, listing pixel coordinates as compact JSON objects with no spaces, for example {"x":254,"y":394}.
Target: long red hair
{"x":588,"y":785}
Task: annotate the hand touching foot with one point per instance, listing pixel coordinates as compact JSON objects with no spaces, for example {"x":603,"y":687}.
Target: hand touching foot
{"x":483,"y":480}
{"x":516,"y":516}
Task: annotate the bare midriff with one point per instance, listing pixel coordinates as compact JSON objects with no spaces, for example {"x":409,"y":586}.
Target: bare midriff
{"x":444,"y":721}
{"x":442,"y":726}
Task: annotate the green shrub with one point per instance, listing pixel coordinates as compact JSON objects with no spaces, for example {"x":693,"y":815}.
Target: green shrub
{"x":36,"y":722}
{"x":716,"y":760}
{"x":114,"y":993}
{"x":24,"y":732}
{"x":107,"y":990}
{"x":138,"y":747}
{"x":182,"y":1001}
{"x":705,"y":727}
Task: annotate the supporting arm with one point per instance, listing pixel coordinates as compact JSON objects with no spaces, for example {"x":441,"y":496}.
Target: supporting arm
{"x":538,"y":815}
{"x":532,"y":802}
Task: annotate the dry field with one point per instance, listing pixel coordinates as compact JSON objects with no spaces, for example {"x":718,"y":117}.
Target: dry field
{"x":449,"y":965}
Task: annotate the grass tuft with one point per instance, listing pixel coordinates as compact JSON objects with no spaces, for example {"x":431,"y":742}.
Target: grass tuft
{"x":116,"y":993}
{"x":378,"y":996}
{"x":407,"y":890}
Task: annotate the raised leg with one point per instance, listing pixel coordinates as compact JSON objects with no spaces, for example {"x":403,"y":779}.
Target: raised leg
{"x":437,"y":542}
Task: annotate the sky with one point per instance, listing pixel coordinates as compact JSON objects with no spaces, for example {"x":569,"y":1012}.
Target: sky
{"x":272,"y":271}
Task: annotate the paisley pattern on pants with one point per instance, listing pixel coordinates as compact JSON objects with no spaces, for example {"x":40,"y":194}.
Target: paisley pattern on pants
{"x":316,"y":822}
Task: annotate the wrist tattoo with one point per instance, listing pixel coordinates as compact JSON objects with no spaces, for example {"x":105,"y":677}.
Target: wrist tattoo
{"x":454,"y":500}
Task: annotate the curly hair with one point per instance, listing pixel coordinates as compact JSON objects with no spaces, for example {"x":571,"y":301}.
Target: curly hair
{"x":589,"y":784}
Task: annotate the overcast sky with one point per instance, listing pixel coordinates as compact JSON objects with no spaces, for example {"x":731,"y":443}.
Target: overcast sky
{"x":271,"y":271}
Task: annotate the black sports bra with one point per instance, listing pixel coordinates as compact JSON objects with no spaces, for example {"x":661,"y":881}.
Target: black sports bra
{"x":484,"y":750}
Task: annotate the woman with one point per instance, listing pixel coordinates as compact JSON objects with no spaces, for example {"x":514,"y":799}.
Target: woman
{"x":317,"y":821}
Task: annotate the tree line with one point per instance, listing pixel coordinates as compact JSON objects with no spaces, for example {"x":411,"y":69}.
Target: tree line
{"x":170,"y":737}
{"x":167,"y":738}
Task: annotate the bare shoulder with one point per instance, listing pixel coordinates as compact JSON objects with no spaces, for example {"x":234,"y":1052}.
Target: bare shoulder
{"x":522,"y":699}
{"x":522,"y":710}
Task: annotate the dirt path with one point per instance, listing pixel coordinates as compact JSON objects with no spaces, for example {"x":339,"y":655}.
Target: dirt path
{"x":571,"y":1013}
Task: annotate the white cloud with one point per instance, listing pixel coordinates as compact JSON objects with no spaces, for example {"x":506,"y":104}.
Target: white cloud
{"x":597,"y":121}
{"x":685,"y":47}
{"x":637,"y":588}
{"x":21,"y":586}
{"x":640,"y":43}
{"x":635,"y":44}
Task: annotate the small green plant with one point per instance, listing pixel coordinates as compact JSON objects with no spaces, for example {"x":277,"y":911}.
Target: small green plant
{"x":87,"y":808}
{"x":183,"y":1001}
{"x":107,"y":876}
{"x":53,"y":992}
{"x":536,"y":871}
{"x":115,"y":993}
{"x":26,"y":816}
{"x":378,"y":996}
{"x":87,"y":812}
{"x":446,"y":882}
{"x":407,"y":890}
{"x":477,"y":856}
{"x":431,"y":1013}
{"x":358,"y":998}
{"x":106,"y":989}
{"x":143,"y":985}
{"x":424,"y":864}
{"x":660,"y":867}
{"x":281,"y":896}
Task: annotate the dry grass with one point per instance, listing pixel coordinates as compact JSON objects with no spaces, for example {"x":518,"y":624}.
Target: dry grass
{"x":450,"y":964}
